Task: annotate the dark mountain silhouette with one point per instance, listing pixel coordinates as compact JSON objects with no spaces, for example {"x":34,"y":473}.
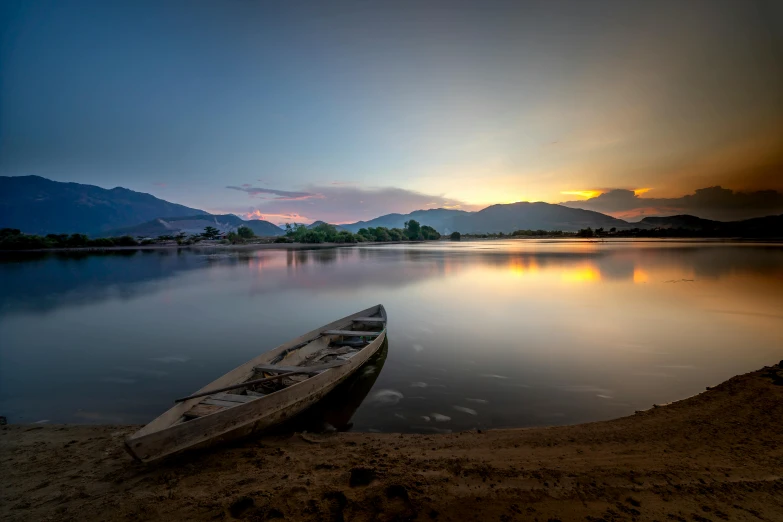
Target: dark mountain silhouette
{"x":438,"y":218}
{"x":37,"y":205}
{"x":684,"y":221}
{"x":500,"y":218}
{"x":769,"y":226}
{"x":316,"y":223}
{"x":532,"y":216}
{"x":196,"y":225}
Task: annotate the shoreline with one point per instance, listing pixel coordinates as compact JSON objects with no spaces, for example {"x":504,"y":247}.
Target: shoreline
{"x":251,"y":246}
{"x":316,"y":246}
{"x":714,"y":456}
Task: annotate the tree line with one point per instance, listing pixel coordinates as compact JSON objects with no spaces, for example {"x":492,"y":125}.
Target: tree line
{"x":326,"y":233}
{"x":14,"y":239}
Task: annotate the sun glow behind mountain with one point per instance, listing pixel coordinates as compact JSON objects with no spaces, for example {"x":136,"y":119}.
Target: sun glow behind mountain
{"x":341,"y":113}
{"x":587,"y":194}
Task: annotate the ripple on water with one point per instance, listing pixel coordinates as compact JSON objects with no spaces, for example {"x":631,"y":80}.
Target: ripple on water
{"x":387,"y":397}
{"x":463,"y":409}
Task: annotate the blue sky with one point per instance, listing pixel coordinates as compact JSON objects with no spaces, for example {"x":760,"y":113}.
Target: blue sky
{"x":365,"y":108}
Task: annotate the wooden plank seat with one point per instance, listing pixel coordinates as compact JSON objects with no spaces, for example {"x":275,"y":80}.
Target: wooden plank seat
{"x":352,"y":333}
{"x":369,"y":320}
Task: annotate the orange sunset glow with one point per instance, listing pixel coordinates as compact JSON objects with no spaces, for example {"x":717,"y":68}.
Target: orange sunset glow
{"x":391,"y":260}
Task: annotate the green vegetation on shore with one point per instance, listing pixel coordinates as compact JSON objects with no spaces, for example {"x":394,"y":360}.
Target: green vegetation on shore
{"x":325,"y":233}
{"x":13,"y":239}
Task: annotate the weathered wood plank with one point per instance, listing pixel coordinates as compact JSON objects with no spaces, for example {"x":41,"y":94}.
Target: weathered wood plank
{"x":307,"y":370}
{"x":352,"y":333}
{"x":369,"y":320}
{"x":217,"y":402}
{"x":255,"y":393}
{"x":298,"y":369}
{"x":202,"y":410}
{"x":232,"y":397}
{"x":234,"y":386}
{"x":338,"y":351}
{"x":355,"y":344}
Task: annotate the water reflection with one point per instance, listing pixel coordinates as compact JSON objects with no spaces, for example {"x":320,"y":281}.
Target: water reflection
{"x":486,"y":334}
{"x":49,"y":280}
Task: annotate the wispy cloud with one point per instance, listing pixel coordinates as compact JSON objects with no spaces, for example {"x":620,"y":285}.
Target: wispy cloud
{"x":281,"y":195}
{"x":341,"y":203}
{"x":277,"y":218}
{"x":582,"y":193}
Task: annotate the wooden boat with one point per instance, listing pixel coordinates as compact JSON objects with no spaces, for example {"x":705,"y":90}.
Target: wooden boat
{"x":266,"y":390}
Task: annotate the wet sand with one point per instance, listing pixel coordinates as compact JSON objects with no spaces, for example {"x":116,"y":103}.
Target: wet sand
{"x":716,"y":456}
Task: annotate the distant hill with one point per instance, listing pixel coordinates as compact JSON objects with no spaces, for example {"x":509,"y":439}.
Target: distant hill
{"x":500,"y":218}
{"x":684,"y":221}
{"x":316,"y":223}
{"x":533,"y":216}
{"x":769,"y":226}
{"x":196,"y":225}
{"x":438,"y":218}
{"x":37,"y":205}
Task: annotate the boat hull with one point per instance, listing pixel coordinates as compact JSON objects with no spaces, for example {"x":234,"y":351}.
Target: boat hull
{"x":154,"y":442}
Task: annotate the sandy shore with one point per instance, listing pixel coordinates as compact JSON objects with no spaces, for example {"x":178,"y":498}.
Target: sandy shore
{"x":716,"y":456}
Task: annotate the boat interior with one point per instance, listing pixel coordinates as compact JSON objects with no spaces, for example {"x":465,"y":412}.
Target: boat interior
{"x":293,"y":365}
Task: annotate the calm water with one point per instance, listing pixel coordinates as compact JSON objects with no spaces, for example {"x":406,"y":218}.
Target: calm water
{"x":481,"y":334}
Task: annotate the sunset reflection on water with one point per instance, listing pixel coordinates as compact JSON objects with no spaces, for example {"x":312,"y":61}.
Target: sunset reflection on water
{"x":518,"y":332}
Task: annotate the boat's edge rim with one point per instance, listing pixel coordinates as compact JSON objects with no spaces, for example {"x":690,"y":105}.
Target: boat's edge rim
{"x":133,"y":438}
{"x":270,"y":353}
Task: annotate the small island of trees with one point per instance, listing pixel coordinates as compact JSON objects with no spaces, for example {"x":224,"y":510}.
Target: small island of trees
{"x":326,"y":233}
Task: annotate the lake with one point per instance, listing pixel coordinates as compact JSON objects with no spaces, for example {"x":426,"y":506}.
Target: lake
{"x":483,"y":334}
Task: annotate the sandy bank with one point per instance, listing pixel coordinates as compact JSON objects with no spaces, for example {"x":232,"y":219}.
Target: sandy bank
{"x":716,"y":456}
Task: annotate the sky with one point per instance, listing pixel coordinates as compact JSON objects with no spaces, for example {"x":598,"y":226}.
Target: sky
{"x":341,"y":111}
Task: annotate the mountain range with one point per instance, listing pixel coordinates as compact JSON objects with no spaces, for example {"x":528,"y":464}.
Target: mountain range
{"x":38,"y":205}
{"x":440,"y":219}
{"x":769,"y":226}
{"x":500,"y":218}
{"x":196,"y":225}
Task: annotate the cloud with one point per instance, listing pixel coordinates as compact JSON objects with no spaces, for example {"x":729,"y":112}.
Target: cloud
{"x":711,"y":203}
{"x":582,"y":193}
{"x":343,"y":203}
{"x":282,"y":195}
{"x":277,"y":218}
